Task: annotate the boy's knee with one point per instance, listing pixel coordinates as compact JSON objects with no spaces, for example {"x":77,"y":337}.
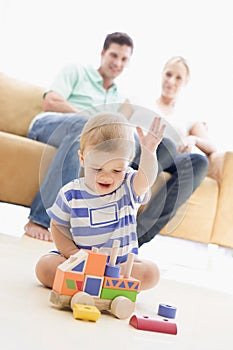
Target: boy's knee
{"x":45,"y":269}
{"x":154,"y":275}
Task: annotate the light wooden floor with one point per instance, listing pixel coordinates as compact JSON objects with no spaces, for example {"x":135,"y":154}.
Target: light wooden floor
{"x":194,"y":279}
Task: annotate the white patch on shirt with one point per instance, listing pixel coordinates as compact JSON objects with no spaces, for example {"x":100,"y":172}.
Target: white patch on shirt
{"x":104,"y":215}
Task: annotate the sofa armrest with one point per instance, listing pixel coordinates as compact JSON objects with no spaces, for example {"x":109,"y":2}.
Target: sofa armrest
{"x":19,"y":103}
{"x":21,"y":173}
{"x":216,"y":165}
{"x":223,"y":228}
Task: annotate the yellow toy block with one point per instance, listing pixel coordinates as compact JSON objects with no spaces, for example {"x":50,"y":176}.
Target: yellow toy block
{"x":68,"y":283}
{"x":86,"y":312}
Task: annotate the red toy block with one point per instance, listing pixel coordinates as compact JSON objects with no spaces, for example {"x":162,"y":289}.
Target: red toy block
{"x":147,"y":323}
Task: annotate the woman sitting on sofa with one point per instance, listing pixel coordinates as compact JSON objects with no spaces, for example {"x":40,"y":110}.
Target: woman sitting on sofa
{"x":190,"y":136}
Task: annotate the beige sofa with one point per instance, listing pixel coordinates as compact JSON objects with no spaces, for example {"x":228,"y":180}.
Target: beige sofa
{"x":20,"y":157}
{"x":207,"y":217}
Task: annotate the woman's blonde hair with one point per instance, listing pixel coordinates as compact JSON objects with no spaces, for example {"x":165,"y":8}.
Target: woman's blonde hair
{"x":108,"y":132}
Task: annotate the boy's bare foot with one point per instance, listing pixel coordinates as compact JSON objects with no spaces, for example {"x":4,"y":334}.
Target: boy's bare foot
{"x":37,"y":231}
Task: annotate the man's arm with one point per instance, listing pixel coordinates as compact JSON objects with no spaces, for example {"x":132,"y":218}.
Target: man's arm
{"x":148,"y":166}
{"x":53,"y":102}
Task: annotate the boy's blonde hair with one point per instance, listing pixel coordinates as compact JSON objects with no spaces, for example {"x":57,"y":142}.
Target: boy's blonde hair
{"x":108,"y":132}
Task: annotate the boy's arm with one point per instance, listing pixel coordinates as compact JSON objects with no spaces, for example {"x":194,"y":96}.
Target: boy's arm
{"x":148,"y":166}
{"x":62,"y":239}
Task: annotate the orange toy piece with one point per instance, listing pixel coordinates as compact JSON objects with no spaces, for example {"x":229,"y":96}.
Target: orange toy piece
{"x":68,"y":283}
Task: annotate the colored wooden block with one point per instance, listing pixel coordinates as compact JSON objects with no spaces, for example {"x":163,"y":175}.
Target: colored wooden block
{"x":108,"y":293}
{"x":167,"y":311}
{"x":122,"y":283}
{"x":112,"y":271}
{"x":75,"y":262}
{"x":86,"y":312}
{"x":68,"y":283}
{"x":147,"y":323}
{"x":96,"y":263}
{"x":93,"y":285}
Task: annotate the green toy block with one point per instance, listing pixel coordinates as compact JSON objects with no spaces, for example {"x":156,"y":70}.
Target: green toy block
{"x":111,"y":294}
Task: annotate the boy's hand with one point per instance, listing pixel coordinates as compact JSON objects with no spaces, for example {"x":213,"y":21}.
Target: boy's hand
{"x":152,"y":139}
{"x":148,"y":166}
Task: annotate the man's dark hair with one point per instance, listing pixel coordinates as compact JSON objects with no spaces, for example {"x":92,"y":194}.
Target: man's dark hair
{"x":118,"y":38}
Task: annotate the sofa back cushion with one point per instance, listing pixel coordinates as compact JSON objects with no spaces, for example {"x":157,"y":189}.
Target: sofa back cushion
{"x":19,"y":103}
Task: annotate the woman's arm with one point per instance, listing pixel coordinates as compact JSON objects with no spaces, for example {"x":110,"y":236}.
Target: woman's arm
{"x":202,"y":139}
{"x":53,"y":102}
{"x":62,"y":239}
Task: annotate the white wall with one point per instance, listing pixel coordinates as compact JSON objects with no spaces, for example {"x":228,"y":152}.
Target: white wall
{"x":39,"y":37}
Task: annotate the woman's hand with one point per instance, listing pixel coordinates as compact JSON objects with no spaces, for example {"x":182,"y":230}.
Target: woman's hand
{"x":189,"y":143}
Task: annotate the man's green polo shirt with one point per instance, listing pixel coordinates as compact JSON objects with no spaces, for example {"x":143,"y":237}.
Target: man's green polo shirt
{"x":83,"y":88}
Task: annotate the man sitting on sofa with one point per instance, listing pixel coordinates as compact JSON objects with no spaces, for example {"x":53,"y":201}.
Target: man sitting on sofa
{"x":62,"y":124}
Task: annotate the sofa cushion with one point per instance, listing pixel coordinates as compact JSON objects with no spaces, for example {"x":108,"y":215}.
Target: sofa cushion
{"x":189,"y":221}
{"x":194,"y":220}
{"x":19,"y":103}
{"x":223,"y":228}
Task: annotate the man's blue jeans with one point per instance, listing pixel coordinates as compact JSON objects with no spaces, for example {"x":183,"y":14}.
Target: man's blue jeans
{"x":63,"y":130}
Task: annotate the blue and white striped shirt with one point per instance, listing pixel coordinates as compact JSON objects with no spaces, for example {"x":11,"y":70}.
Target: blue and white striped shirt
{"x":97,"y":220}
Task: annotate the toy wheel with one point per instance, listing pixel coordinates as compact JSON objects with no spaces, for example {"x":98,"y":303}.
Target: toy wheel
{"x":82,"y":298}
{"x":122,"y":307}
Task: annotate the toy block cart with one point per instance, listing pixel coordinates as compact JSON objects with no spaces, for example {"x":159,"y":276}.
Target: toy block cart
{"x":86,"y":278}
